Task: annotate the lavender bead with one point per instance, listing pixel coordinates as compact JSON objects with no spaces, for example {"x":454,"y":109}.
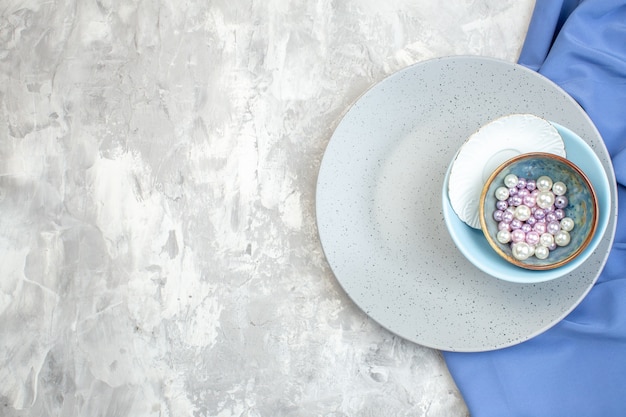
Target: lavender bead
{"x":540,"y":228}
{"x":532,"y":238}
{"x":530,"y":201}
{"x":531,"y":221}
{"x":551,"y":216}
{"x":502,"y":205}
{"x":523,"y":192}
{"x":531,"y":185}
{"x":497,"y":215}
{"x":507,"y":216}
{"x":516,"y":224}
{"x":560,"y":201}
{"x":521,"y":183}
{"x":552,"y":246}
{"x":539,"y":213}
{"x":513,"y":191}
{"x":553,"y":227}
{"x":527,"y":227}
{"x":504,"y":226}
{"x":560,"y":213}
{"x":518,"y":236}
{"x":515,"y":200}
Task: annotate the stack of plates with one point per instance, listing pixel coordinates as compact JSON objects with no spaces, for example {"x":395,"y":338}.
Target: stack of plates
{"x":379,"y":210}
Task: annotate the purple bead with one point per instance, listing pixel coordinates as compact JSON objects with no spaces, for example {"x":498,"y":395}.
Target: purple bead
{"x":530,"y":201}
{"x":513,"y":191}
{"x":523,"y":192}
{"x":504,"y":226}
{"x":553,"y":227}
{"x":549,"y":209}
{"x":539,"y":214}
{"x":516,"y":224}
{"x":552,"y":246}
{"x":501,"y":205}
{"x":531,"y":185}
{"x":560,"y":201}
{"x":497,"y":215}
{"x":532,"y":238}
{"x":516,"y":200}
{"x":521,"y":183}
{"x":534,"y":192}
{"x":527,"y":227}
{"x":551,"y":216}
{"x":540,"y":228}
{"x":560,"y":213}
{"x":531,"y":221}
{"x":518,"y":236}
{"x":507,"y":216}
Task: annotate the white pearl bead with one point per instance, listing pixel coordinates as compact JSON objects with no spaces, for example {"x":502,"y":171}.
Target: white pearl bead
{"x":511,"y":180}
{"x":522,"y":213}
{"x":562,"y":238}
{"x":545,"y":199}
{"x":544,"y":183}
{"x":521,"y":251}
{"x":504,"y":236}
{"x":546,"y":239}
{"x":542,"y":252}
{"x":567,"y":224}
{"x":559,"y":188}
{"x":502,"y":193}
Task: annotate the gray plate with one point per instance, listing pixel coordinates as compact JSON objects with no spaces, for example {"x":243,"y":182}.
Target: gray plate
{"x":379,"y":205}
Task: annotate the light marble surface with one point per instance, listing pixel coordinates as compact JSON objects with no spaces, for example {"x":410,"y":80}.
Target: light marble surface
{"x":158,"y":243}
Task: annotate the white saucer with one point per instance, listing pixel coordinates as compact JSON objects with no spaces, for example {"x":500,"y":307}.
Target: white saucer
{"x":487,"y":148}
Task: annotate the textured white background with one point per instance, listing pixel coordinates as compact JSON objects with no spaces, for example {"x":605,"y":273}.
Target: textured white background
{"x":158,"y":245}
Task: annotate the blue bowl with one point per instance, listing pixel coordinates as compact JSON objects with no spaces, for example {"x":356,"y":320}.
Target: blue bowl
{"x":476,"y":247}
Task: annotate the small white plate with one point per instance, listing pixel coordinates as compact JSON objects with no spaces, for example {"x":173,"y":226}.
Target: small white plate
{"x":490,"y":146}
{"x":379,"y":209}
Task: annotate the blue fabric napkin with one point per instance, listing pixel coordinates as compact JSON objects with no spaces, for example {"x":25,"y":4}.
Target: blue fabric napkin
{"x":578,"y":367}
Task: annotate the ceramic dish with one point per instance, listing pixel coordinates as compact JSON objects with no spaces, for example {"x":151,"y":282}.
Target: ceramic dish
{"x":487,"y":148}
{"x":571,"y":245}
{"x":379,"y":212}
